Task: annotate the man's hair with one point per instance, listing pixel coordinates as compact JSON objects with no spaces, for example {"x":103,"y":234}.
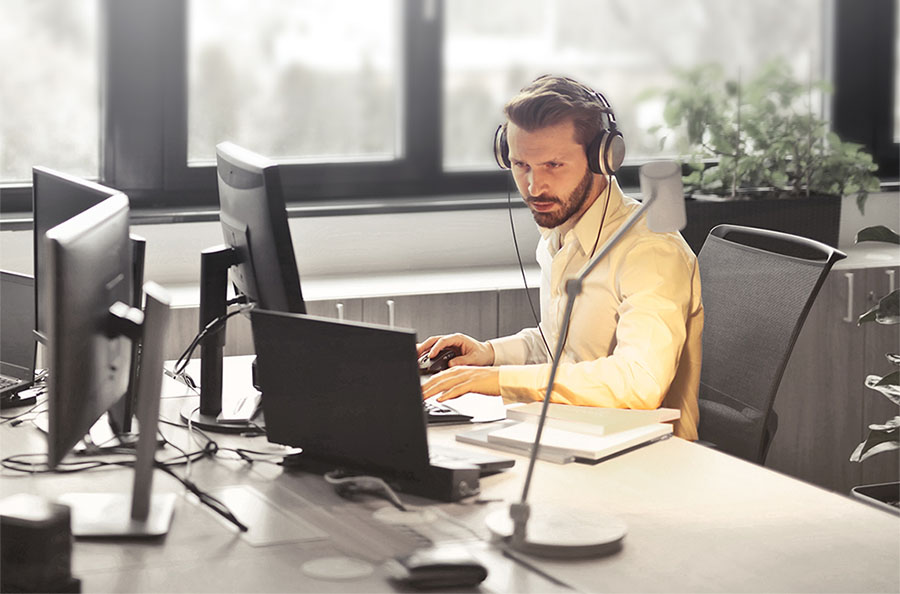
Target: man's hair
{"x":550,"y":100}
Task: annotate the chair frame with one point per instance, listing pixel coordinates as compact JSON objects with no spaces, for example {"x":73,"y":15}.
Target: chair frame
{"x":828,"y":256}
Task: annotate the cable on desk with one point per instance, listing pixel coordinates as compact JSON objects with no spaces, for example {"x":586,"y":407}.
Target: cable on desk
{"x":206,"y":499}
{"x":245,"y":454}
{"x":345,"y":484}
{"x":16,"y":419}
{"x":22,"y":463}
{"x":216,"y":325}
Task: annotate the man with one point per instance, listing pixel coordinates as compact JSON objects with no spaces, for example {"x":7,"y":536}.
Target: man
{"x":635,"y":335}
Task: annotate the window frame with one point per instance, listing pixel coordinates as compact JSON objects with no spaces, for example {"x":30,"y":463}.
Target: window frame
{"x":864,"y":70}
{"x":144,"y":117}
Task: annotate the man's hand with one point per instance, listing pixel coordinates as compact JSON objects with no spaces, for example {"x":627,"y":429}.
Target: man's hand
{"x":473,"y":351}
{"x":459,"y":380}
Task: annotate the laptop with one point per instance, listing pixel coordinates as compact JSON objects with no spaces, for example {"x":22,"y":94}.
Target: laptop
{"x":17,"y":343}
{"x":349,"y":395}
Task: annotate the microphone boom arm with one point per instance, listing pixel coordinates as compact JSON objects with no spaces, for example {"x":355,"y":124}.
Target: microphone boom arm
{"x":519,"y":512}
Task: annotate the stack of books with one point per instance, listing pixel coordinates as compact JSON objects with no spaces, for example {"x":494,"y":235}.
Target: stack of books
{"x":574,"y":433}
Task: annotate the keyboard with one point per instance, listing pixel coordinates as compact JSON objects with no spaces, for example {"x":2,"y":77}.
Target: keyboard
{"x":6,"y":382}
{"x":438,"y":412}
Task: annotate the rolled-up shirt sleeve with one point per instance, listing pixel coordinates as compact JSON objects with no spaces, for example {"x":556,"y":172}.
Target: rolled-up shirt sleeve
{"x":523,"y":348}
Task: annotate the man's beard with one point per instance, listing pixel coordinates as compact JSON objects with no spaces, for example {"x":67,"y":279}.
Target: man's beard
{"x":577,"y":198}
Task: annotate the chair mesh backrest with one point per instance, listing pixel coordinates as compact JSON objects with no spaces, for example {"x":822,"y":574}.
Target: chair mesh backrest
{"x":754,"y":304}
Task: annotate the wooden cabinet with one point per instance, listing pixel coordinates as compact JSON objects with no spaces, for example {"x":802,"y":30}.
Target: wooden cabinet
{"x":514,"y":312}
{"x":472,"y":313}
{"x":823,"y":405}
{"x":346,"y":309}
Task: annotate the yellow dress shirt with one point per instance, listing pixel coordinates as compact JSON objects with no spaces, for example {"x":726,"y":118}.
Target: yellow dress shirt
{"x":635,"y":334}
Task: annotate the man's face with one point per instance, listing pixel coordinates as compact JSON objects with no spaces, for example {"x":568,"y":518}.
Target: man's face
{"x":551,"y":172}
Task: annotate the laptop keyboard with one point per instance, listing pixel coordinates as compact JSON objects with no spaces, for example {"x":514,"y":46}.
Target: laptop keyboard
{"x":7,"y":382}
{"x":437,"y":412}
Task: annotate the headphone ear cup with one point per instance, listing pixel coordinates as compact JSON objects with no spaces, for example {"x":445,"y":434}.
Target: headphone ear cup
{"x":594,"y":157}
{"x":606,"y":152}
{"x":501,"y":148}
{"x":613,"y":151}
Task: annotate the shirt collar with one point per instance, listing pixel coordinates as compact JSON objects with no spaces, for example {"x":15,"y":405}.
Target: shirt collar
{"x":585,"y":229}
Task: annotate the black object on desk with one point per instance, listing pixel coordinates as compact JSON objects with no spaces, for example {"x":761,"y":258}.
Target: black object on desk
{"x":440,"y":362}
{"x":350,"y":396}
{"x":438,"y":567}
{"x":35,"y":546}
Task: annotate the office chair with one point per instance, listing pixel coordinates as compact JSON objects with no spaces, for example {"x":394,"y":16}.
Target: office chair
{"x":758,"y":286}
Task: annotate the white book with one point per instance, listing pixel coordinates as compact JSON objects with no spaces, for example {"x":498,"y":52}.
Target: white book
{"x":565,"y":444}
{"x":592,"y":420}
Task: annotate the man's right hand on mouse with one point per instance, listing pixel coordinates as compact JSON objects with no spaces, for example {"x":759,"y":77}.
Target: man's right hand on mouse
{"x":473,"y":352}
{"x":471,"y":371}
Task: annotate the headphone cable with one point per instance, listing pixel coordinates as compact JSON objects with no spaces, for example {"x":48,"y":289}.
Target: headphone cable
{"x":512,"y":227}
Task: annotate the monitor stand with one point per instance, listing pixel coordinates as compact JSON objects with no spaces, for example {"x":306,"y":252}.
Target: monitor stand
{"x":190,"y":413}
{"x":142,"y":513}
{"x":109,"y":514}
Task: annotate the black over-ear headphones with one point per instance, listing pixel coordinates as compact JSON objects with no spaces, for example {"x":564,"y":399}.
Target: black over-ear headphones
{"x":605,"y":152}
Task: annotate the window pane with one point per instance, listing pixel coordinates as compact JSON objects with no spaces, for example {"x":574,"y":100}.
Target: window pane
{"x":50,"y":94}
{"x":619,"y":47}
{"x":316,"y":80}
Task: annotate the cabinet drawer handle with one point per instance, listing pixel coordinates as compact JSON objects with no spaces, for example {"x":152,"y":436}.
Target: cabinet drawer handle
{"x":849,"y":317}
{"x":891,"y":285}
{"x":390,"y":306}
{"x":340,"y":311}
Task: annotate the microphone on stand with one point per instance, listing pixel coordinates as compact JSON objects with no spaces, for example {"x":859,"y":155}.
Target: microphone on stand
{"x":550,"y":530}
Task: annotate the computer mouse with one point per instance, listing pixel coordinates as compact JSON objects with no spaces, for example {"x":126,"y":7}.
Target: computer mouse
{"x":442,"y":566}
{"x":429,"y":366}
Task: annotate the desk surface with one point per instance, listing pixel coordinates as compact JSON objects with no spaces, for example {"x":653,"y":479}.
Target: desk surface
{"x":698,"y":520}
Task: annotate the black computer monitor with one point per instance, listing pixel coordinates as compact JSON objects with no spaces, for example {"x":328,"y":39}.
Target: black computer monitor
{"x":90,"y":328}
{"x":57,"y":197}
{"x":258,"y":255}
{"x":255,"y":225}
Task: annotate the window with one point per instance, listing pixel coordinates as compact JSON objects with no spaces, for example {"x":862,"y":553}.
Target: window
{"x":385,"y":99}
{"x":299,"y":81}
{"x":612,"y":45}
{"x":50,"y":92}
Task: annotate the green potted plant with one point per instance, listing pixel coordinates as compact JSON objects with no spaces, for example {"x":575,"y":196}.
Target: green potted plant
{"x":883,"y":437}
{"x":746,"y":143}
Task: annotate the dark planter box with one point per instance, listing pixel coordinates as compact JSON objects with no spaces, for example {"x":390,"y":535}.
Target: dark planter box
{"x":817,"y":217}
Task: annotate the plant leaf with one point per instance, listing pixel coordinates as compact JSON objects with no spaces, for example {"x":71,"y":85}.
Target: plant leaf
{"x":891,"y":379}
{"x":881,"y":438}
{"x":878,"y":233}
{"x":890,"y":391}
{"x":886,"y":311}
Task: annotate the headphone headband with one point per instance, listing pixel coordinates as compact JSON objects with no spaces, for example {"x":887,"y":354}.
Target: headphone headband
{"x":605,"y":153}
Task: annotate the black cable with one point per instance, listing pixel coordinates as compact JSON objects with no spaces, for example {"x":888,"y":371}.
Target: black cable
{"x":216,"y":325}
{"x":512,"y":226}
{"x":20,"y":463}
{"x":17,"y":418}
{"x":565,"y":332}
{"x":603,"y":218}
{"x":205,"y":498}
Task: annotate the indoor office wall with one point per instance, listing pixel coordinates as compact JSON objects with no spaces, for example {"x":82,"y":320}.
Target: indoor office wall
{"x":336,"y":245}
{"x":386,"y":243}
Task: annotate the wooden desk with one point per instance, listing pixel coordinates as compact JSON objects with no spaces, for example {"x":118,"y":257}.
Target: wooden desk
{"x":698,"y":521}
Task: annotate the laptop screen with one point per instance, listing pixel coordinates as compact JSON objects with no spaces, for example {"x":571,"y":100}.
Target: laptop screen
{"x":348,"y":393}
{"x":17,"y":346}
